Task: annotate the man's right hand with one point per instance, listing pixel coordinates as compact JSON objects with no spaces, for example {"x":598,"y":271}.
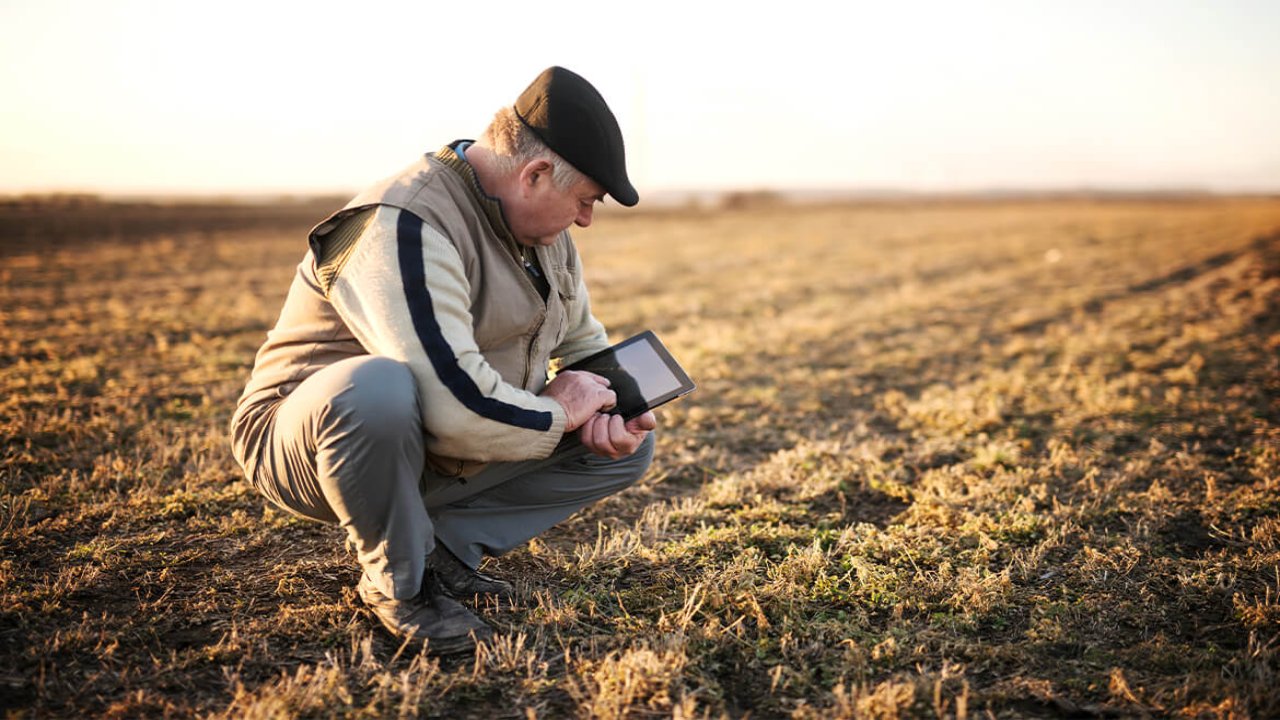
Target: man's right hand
{"x":581,"y":394}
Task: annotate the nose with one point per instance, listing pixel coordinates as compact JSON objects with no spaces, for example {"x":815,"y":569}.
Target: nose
{"x":584,"y":216}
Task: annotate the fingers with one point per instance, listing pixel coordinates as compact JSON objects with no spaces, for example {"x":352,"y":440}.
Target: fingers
{"x":598,"y":379}
{"x":581,"y":394}
{"x":642,"y":423}
{"x":603,"y":395}
{"x":603,"y":435}
{"x":608,"y":399}
{"x":610,"y":436}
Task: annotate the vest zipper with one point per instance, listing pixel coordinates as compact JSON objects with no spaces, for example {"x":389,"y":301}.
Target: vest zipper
{"x":518,"y":258}
{"x":528,"y":358}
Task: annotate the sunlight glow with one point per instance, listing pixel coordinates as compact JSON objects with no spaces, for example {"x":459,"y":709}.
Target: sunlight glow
{"x":136,"y":96}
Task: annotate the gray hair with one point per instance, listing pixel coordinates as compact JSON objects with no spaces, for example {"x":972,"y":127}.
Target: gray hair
{"x":514,"y":144}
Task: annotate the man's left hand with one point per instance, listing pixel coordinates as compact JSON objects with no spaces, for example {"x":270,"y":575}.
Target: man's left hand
{"x":608,"y":435}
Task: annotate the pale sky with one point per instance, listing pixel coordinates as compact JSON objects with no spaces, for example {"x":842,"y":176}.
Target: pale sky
{"x":245,"y":96}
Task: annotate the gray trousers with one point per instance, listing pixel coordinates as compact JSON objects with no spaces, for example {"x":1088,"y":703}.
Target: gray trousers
{"x":346,"y":447}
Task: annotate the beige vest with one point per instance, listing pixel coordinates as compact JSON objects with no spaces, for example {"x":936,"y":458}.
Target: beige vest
{"x":514,"y":328}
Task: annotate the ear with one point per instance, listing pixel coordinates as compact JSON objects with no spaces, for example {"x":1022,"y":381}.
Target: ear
{"x":535,"y":171}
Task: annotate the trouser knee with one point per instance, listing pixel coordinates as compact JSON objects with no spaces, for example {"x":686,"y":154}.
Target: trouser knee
{"x":642,"y":458}
{"x":380,"y":397}
{"x":624,"y":472}
{"x":348,"y":432}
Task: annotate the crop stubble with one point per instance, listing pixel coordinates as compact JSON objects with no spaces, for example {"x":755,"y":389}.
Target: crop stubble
{"x":945,"y":458}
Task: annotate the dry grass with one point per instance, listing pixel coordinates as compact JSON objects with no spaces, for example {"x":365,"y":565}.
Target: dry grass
{"x":946,"y":460}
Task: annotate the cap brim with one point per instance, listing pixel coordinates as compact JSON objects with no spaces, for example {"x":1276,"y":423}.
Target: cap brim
{"x":626,"y":196}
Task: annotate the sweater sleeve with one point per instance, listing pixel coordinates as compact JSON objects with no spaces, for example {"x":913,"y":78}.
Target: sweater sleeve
{"x":404,"y":294}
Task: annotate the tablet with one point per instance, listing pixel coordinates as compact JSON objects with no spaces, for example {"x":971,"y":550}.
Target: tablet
{"x":641,"y":371}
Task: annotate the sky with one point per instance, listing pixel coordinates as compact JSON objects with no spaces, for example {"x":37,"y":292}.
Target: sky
{"x":241,"y":97}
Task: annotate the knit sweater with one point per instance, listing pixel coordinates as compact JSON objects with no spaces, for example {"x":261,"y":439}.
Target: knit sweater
{"x":422,"y":268}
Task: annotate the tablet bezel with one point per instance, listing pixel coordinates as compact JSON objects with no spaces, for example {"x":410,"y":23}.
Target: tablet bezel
{"x":686,"y":383}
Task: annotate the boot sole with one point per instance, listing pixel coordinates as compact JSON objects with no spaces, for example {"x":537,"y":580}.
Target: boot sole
{"x":441,"y":645}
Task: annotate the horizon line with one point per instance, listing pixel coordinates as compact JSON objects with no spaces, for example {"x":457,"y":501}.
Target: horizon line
{"x":681,"y":195}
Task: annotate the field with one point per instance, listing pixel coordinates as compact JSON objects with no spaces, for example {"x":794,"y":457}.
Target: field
{"x":946,"y":459}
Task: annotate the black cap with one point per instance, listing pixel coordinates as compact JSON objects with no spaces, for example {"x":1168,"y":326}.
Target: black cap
{"x":571,"y":117}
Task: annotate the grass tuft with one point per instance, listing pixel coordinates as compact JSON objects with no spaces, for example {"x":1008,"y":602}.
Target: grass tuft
{"x":945,"y":460}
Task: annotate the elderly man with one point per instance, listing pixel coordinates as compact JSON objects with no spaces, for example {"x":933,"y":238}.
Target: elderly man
{"x":403,"y":392}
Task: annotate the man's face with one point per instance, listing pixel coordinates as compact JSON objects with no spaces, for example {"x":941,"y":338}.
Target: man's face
{"x":544,"y":211}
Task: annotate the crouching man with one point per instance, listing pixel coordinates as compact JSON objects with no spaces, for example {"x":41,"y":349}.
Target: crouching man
{"x":403,"y":391}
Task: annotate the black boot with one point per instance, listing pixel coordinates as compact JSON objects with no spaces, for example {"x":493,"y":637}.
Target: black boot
{"x":462,"y":582}
{"x":431,"y":616}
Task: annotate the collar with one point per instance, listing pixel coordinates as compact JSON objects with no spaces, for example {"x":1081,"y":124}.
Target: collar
{"x":451,"y":156}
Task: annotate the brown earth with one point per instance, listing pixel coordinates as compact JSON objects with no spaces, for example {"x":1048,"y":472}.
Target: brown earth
{"x":946,"y":459}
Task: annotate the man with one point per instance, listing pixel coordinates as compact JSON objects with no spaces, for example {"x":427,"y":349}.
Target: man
{"x":403,"y":392}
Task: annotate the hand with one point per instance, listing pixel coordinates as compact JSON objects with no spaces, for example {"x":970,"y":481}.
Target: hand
{"x":609,"y":436}
{"x":581,"y":394}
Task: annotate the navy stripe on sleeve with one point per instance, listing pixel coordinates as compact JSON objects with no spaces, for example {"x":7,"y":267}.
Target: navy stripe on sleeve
{"x":414,"y":277}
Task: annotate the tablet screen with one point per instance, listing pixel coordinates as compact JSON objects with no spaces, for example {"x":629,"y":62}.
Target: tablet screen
{"x":641,"y":371}
{"x":651,"y":375}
